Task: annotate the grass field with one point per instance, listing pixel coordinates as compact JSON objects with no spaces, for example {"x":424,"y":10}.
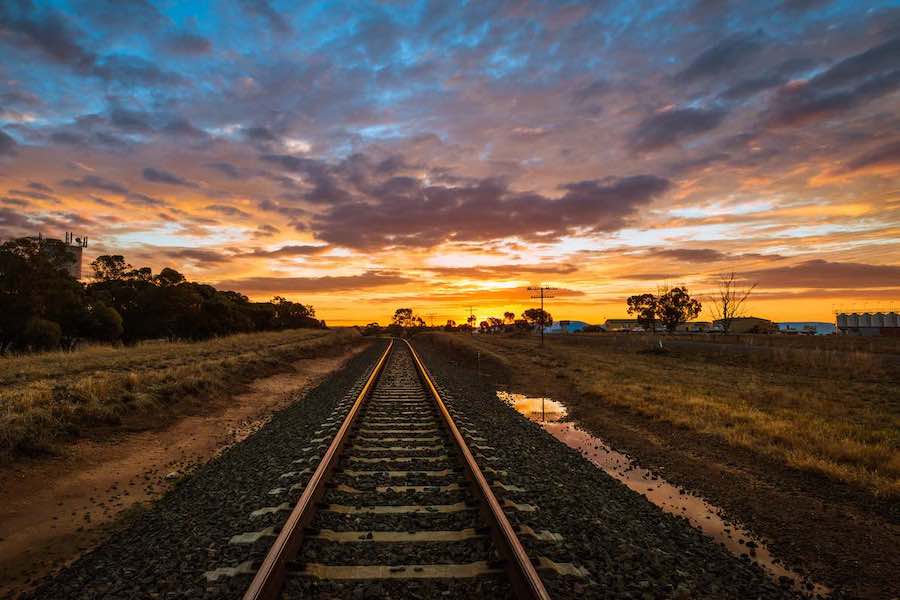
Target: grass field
{"x":831,"y":410}
{"x":47,"y":397}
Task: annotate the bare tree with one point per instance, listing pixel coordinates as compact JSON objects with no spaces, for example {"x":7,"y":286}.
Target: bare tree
{"x":728,"y":301}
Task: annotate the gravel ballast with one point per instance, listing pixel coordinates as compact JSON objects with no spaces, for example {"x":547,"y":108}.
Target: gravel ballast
{"x":629,"y":547}
{"x":168,"y":549}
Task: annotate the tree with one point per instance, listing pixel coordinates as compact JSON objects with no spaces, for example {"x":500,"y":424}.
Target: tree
{"x":450,"y":326}
{"x":644,"y":307}
{"x":110,"y":267}
{"x":403,"y":317}
{"x":728,"y":301}
{"x":169,"y":277}
{"x":35,"y":284}
{"x":537,"y":317}
{"x":495,"y":323}
{"x":509,"y":318}
{"x":675,"y":306}
{"x":470,"y":321}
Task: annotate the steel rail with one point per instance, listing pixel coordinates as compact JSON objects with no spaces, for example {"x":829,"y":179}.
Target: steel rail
{"x":525,"y":581}
{"x":269,"y":579}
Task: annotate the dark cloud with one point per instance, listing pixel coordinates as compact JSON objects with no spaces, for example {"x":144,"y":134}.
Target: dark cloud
{"x":825,"y":274}
{"x":69,"y":138}
{"x":669,"y":127}
{"x":187,"y":44}
{"x":693,"y":255}
{"x":591,"y":91}
{"x":228,"y":211}
{"x":130,"y":70}
{"x":728,"y":54}
{"x":36,"y":185}
{"x":801,"y":6}
{"x":48,"y":32}
{"x":14,"y":201}
{"x":12,"y":219}
{"x":259,"y":134}
{"x":34,"y":195}
{"x":509,"y":271}
{"x":226,"y":169}
{"x":844,"y":86}
{"x":130,"y":120}
{"x":7,"y":144}
{"x":293,"y":250}
{"x":95,"y":182}
{"x":266,"y":230}
{"x":20,"y":98}
{"x":325,"y":188}
{"x":145,"y":200}
{"x":689,"y":165}
{"x":402,"y":211}
{"x":263,"y":9}
{"x":887,"y":154}
{"x":772,"y":78}
{"x":366,"y":280}
{"x":181,"y":127}
{"x":198,"y":255}
{"x":159,"y":176}
{"x":878,"y":59}
{"x":103,"y":202}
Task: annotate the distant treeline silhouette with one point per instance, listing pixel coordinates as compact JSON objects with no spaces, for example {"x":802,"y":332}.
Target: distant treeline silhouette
{"x":42,"y":307}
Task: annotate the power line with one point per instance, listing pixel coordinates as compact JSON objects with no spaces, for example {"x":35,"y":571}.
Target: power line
{"x":542,"y":289}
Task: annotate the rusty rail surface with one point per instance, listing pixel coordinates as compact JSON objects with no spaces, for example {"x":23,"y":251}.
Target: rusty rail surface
{"x":525,"y":581}
{"x":269,"y":579}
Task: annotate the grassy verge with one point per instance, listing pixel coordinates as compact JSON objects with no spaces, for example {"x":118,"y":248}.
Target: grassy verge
{"x":843,"y":423}
{"x":47,"y":397}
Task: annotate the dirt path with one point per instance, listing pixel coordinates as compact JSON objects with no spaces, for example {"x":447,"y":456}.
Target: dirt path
{"x":53,"y":510}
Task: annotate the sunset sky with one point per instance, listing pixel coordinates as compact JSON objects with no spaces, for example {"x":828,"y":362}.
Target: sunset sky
{"x":363,"y":156}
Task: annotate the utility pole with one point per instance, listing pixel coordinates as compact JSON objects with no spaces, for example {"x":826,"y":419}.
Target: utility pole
{"x":472,"y":318}
{"x":542,"y":289}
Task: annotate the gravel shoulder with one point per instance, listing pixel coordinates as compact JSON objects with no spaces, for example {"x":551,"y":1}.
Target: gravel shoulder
{"x":165,"y":550}
{"x":630,"y":548}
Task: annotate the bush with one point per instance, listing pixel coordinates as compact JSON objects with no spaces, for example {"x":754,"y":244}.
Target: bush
{"x":41,"y":334}
{"x":107,"y":324}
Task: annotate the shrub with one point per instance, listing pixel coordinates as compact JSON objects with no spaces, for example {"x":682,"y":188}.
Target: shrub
{"x":41,"y":334}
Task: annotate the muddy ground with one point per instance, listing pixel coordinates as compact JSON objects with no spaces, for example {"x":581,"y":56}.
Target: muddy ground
{"x":54,"y":509}
{"x":834,"y":533}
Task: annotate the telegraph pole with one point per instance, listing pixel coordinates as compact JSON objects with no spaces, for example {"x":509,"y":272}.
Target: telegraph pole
{"x":542,"y":289}
{"x":472,"y":314}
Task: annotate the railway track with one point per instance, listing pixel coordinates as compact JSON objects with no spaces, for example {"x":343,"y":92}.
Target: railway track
{"x":398,"y":506}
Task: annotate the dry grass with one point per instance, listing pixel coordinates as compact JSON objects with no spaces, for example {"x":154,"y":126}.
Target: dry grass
{"x":840,"y":422}
{"x":46,"y":397}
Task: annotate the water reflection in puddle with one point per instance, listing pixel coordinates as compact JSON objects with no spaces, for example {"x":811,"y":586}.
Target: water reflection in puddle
{"x":701,"y":514}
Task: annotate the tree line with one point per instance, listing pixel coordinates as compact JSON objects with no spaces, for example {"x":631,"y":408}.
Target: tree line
{"x":42,"y":307}
{"x":405,"y":320}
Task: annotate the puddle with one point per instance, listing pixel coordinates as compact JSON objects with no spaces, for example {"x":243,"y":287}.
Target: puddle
{"x":701,"y":514}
